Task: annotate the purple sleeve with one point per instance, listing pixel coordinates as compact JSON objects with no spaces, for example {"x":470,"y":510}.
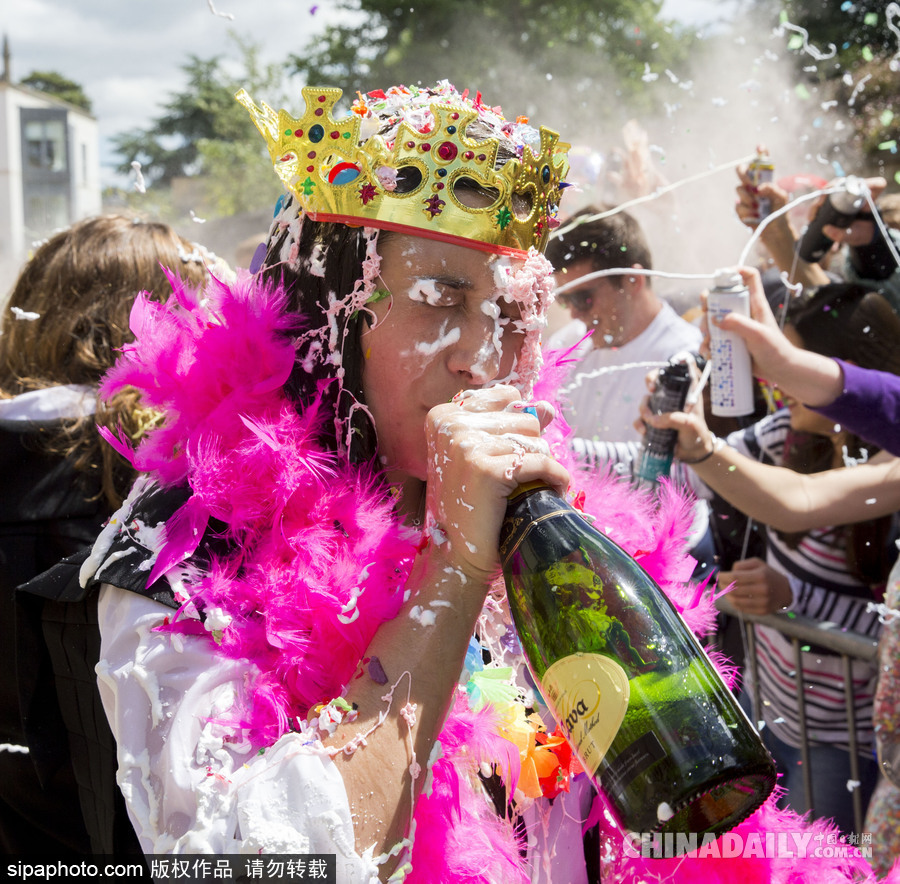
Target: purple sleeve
{"x":869,"y":406}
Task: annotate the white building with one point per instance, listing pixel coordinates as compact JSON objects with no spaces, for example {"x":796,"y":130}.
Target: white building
{"x":49,"y":170}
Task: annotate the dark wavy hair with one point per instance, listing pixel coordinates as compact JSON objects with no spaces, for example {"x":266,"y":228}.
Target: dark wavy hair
{"x":614,"y":241}
{"x":857,"y":324}
{"x":326,"y":262}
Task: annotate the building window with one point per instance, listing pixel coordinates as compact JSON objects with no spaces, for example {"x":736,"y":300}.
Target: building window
{"x":45,"y":145}
{"x":48,"y":174}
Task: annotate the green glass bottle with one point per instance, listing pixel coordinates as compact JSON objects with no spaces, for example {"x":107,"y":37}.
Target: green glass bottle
{"x":639,"y":700}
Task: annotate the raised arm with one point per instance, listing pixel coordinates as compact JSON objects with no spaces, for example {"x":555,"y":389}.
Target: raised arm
{"x":865,"y":401}
{"x":479,"y":452}
{"x":777,"y":235}
{"x":778,"y":496}
{"x":813,"y":379}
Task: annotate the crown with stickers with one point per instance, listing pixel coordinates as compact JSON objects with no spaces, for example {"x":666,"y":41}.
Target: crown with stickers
{"x":408,"y":160}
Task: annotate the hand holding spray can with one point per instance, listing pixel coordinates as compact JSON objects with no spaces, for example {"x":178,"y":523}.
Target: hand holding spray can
{"x":761,"y":171}
{"x":839,"y":210}
{"x":731,"y":378}
{"x":670,"y":394}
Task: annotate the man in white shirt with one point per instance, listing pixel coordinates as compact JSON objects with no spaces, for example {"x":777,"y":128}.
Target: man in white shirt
{"x":633,"y":329}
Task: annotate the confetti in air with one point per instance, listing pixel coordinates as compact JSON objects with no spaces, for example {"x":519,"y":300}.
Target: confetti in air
{"x":139,"y":184}
{"x":805,"y":46}
{"x":196,"y":219}
{"x":24,"y":315}
{"x":892,"y":10}
{"x":214,"y":11}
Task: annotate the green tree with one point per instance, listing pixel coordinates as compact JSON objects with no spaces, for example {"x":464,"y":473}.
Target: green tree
{"x":508,"y":49}
{"x":858,"y":69}
{"x":52,"y":83}
{"x":204,"y":132}
{"x":851,"y":28}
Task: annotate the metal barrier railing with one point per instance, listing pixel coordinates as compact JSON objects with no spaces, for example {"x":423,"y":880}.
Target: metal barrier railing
{"x":804,"y":630}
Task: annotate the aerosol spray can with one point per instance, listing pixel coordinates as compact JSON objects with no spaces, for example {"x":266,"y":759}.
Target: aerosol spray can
{"x":761,"y":171}
{"x":839,"y":209}
{"x":731,"y":377}
{"x":670,"y":394}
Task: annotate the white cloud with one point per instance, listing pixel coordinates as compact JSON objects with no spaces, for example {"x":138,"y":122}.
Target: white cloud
{"x":128,"y":56}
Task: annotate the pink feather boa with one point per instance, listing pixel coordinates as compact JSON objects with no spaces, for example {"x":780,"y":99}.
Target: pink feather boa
{"x":319,"y":563}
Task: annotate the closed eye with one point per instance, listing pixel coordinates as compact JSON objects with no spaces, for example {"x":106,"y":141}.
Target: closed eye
{"x":438,"y":292}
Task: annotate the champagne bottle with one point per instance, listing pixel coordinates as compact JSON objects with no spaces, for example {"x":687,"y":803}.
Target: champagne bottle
{"x":642,"y":705}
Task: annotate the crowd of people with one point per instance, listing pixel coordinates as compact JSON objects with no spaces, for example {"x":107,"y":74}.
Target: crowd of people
{"x":249,"y":563}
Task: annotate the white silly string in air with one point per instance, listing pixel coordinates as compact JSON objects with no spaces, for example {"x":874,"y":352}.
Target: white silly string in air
{"x":811,"y":50}
{"x":892,"y":10}
{"x":139,"y":184}
{"x":660,"y":191}
{"x":214,"y":11}
{"x":857,"y":89}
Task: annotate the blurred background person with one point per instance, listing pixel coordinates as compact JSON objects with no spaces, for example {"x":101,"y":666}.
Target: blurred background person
{"x":65,"y":321}
{"x":629,"y":324}
{"x":860,"y":252}
{"x":629,"y":328}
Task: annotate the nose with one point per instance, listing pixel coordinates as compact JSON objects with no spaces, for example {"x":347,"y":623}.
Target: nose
{"x":476,"y":357}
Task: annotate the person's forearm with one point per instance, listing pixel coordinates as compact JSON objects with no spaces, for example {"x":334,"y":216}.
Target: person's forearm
{"x":779,"y":239}
{"x":789,"y":501}
{"x":814,"y":380}
{"x":422,"y":653}
{"x":869,"y":406}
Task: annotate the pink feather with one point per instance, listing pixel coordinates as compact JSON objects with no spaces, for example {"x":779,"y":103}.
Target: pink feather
{"x":184,"y":530}
{"x":119,"y":441}
{"x":481,"y":848}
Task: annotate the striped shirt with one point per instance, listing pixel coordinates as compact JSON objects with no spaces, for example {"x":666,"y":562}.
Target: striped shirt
{"x":824,"y":590}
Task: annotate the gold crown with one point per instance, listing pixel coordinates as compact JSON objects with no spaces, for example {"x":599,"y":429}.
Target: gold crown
{"x":336,"y":178}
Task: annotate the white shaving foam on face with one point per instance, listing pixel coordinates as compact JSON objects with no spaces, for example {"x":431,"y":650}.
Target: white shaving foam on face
{"x":425,"y":291}
{"x":492,"y":349}
{"x":445,"y":340}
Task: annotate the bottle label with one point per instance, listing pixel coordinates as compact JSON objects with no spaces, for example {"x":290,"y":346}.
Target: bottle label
{"x":588,"y":694}
{"x":641,"y":754}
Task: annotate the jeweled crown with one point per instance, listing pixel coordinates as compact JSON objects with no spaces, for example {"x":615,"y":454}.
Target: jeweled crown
{"x":412,"y":175}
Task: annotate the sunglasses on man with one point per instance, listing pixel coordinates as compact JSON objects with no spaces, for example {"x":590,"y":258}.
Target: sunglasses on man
{"x":580,"y":301}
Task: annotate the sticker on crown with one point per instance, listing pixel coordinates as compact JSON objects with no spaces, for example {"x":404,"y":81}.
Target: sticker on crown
{"x":342,"y":172}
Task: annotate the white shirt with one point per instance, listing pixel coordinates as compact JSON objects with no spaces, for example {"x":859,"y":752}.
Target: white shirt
{"x":605,"y":387}
{"x":187,"y":789}
{"x":50,"y":404}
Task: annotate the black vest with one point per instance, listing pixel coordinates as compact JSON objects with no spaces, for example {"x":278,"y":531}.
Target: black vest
{"x":57,"y":646}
